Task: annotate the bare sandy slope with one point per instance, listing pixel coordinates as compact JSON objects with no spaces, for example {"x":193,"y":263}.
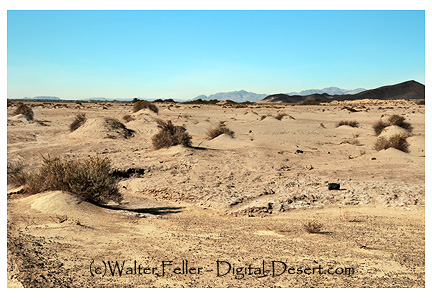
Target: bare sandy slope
{"x":241,"y":200}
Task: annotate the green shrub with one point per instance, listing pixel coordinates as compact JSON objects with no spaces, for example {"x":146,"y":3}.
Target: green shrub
{"x":139,"y":105}
{"x":80,"y":119}
{"x":396,"y":141}
{"x":219,"y":130}
{"x":25,"y":110}
{"x":90,"y":179}
{"x":351,"y":123}
{"x":170,"y":135}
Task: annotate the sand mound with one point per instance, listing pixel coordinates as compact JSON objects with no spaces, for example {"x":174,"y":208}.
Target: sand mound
{"x":176,"y":150}
{"x":225,"y":141}
{"x":393,"y":130}
{"x":270,"y":119}
{"x":61,"y":203}
{"x":20,"y":118}
{"x":392,"y":155}
{"x":143,"y":113}
{"x":346,"y":127}
{"x":102,"y":128}
{"x":417,"y":145}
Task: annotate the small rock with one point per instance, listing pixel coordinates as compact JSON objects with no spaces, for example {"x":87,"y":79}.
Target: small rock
{"x":334,"y":186}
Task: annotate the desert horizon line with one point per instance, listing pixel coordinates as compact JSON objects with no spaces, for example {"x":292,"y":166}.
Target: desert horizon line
{"x":338,"y":91}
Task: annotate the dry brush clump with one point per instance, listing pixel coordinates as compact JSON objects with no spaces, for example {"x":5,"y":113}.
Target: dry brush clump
{"x":15,"y":172}
{"x":90,"y":179}
{"x":279,"y":116}
{"x":127,"y":118}
{"x":398,"y":141}
{"x":24,"y":110}
{"x":393,"y":120}
{"x":140,"y":104}
{"x":219,"y":130}
{"x":351,"y":123}
{"x":170,"y":135}
{"x":397,"y":120}
{"x":313,"y":227}
{"x":79,"y":120}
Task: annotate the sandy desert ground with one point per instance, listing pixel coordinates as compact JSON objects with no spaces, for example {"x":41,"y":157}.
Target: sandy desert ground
{"x":242,"y":201}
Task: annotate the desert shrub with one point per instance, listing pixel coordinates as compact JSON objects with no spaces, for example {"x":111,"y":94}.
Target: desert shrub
{"x":114,"y":124}
{"x":25,"y":110}
{"x":139,"y":105}
{"x":396,"y":141}
{"x":313,"y":227}
{"x":397,"y":120}
{"x":379,"y":126}
{"x":351,"y":123}
{"x":280,"y":116}
{"x":420,"y":102}
{"x":90,"y":179}
{"x":127,"y":118}
{"x":80,"y":119}
{"x":219,"y":130}
{"x":170,"y":135}
{"x":393,"y":120}
{"x":15,"y":172}
{"x":350,"y":109}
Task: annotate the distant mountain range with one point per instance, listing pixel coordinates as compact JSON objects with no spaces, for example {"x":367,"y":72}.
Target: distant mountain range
{"x":244,"y":96}
{"x":329,"y":90}
{"x":236,"y":96}
{"x":405,"y":90}
{"x":43,"y":98}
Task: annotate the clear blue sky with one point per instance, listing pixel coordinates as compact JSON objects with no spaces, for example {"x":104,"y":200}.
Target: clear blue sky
{"x":181,"y":54}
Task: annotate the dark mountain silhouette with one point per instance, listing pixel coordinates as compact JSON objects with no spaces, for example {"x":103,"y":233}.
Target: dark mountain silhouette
{"x":405,"y":90}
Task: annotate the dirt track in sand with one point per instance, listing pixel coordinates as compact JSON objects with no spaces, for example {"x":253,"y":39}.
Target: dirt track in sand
{"x":211,"y":202}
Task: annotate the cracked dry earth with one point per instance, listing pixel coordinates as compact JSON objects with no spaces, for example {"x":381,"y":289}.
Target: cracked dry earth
{"x":227,"y":212}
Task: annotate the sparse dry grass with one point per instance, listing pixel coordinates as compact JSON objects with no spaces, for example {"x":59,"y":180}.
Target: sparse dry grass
{"x":396,"y":141}
{"x":170,"y":135}
{"x":139,"y":105}
{"x":351,"y":123}
{"x":219,"y":130}
{"x":89,"y":178}
{"x":80,"y":119}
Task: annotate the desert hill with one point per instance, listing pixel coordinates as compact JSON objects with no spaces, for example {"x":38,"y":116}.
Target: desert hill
{"x":405,"y":90}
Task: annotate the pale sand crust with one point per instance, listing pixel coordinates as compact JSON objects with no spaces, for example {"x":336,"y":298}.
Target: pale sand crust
{"x":243,"y":199}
